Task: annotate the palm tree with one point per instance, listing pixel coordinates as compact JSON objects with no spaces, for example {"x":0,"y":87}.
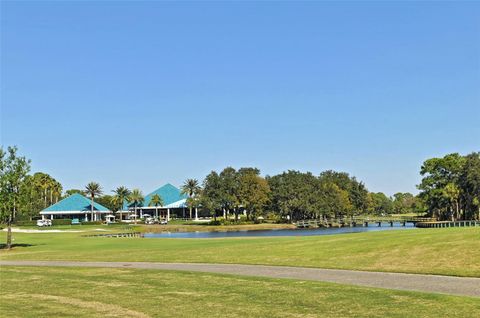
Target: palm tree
{"x":190,"y":187}
{"x":452,"y":193}
{"x":44,"y":184}
{"x":57,"y":190}
{"x":121,"y":194}
{"x":93,"y":189}
{"x":136,"y":197}
{"x":156,"y":201}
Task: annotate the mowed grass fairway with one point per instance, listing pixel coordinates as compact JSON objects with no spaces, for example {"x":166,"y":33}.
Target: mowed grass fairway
{"x":94,"y":292}
{"x":449,"y":251}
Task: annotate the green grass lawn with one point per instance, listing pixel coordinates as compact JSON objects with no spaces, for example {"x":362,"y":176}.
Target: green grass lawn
{"x":95,"y":292}
{"x":449,"y":251}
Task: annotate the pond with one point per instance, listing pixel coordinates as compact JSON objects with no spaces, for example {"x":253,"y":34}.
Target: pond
{"x":281,"y":232}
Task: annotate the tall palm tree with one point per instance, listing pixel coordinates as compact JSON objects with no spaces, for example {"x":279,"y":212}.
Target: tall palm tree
{"x":156,"y":201}
{"x":452,"y":193}
{"x":93,"y":189}
{"x":190,"y":187}
{"x":136,"y":197}
{"x":121,"y":194}
{"x":44,"y":184}
{"x":57,"y":190}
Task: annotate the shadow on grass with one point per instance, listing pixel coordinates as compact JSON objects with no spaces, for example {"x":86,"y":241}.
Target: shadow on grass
{"x":3,"y":246}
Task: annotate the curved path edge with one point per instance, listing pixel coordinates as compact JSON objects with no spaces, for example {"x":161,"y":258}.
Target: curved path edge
{"x":462,"y":286}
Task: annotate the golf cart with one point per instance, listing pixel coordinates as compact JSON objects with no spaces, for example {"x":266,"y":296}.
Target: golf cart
{"x":42,"y":223}
{"x":150,"y":220}
{"x":109,"y":219}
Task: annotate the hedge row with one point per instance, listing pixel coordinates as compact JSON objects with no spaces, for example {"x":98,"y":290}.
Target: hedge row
{"x":61,"y":222}
{"x":55,"y":222}
{"x":26,"y":223}
{"x":92,"y":223}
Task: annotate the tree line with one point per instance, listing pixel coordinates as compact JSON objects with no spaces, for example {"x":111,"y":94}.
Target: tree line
{"x":449,"y":189}
{"x":450,"y":186}
{"x":295,"y":195}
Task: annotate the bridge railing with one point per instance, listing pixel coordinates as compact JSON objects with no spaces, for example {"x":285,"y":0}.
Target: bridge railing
{"x":360,"y":220}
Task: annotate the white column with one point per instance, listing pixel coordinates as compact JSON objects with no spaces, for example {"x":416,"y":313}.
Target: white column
{"x":168,"y":214}
{"x":196,"y":214}
{"x":51,"y":216}
{"x":43,"y":216}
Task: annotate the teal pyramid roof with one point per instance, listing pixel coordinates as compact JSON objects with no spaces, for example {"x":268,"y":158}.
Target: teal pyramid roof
{"x":75,"y":202}
{"x":168,"y":193}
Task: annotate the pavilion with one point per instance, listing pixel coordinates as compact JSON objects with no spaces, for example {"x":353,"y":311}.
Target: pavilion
{"x":174,"y":203}
{"x":75,"y":206}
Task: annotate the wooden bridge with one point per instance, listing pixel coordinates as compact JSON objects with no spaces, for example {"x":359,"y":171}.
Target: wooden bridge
{"x":314,"y":223}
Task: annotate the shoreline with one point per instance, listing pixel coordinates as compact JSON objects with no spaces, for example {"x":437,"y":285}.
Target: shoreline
{"x":210,"y":228}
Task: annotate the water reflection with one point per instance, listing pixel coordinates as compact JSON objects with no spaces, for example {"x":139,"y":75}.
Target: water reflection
{"x":281,"y":232}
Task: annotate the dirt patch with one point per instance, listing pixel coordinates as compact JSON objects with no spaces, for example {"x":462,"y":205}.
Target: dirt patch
{"x":107,"y":310}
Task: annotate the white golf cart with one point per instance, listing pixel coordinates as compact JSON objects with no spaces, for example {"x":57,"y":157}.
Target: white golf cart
{"x":109,"y":219}
{"x":43,"y":223}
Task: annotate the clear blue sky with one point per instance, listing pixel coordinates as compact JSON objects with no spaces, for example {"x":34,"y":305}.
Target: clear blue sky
{"x":143,"y":93}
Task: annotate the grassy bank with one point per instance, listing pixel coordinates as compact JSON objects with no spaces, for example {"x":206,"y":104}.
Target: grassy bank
{"x":174,"y":226}
{"x":180,"y":227}
{"x":449,"y":251}
{"x":90,"y":292}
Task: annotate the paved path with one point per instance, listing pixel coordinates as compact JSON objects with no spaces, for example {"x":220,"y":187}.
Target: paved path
{"x":426,"y":283}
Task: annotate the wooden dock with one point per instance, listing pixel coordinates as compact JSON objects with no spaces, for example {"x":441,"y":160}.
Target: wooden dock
{"x":364,"y":222}
{"x":442,"y":224}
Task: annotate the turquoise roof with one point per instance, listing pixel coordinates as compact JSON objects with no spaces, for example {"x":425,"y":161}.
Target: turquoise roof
{"x":75,"y":202}
{"x":168,"y":193}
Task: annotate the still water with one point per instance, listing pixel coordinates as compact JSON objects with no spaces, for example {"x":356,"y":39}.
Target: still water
{"x":286,"y":232}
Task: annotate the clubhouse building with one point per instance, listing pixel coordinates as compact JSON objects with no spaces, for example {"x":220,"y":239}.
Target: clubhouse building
{"x":174,"y":205}
{"x":75,"y":206}
{"x":79,"y":207}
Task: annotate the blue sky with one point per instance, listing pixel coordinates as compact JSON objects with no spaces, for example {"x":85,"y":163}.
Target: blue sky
{"x":144,"y":93}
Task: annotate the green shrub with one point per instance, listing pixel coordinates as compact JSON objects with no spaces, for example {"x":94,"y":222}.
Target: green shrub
{"x":92,"y":223}
{"x":61,"y":222}
{"x":241,"y":221}
{"x":26,"y":223}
